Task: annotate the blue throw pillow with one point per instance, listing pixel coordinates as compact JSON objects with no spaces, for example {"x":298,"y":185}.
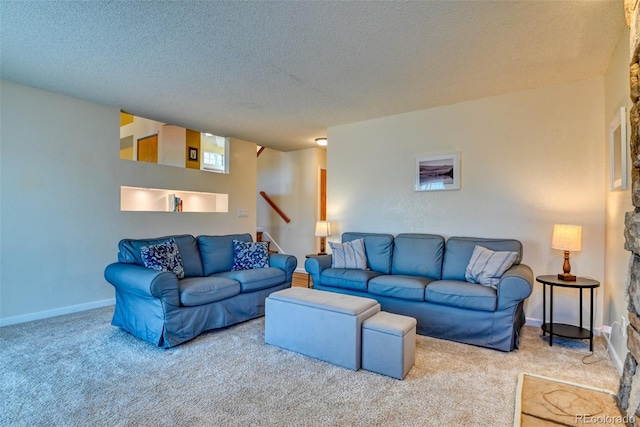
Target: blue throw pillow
{"x":164,"y":256}
{"x":249,"y":255}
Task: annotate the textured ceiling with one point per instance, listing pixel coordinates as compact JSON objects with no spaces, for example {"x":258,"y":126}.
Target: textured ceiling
{"x":280,"y":73}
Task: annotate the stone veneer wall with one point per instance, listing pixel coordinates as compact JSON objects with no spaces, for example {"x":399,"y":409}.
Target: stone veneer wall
{"x":629,"y":390}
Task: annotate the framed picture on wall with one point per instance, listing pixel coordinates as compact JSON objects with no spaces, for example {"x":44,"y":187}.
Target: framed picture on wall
{"x":618,"y":150}
{"x":193,"y":154}
{"x":437,"y":172}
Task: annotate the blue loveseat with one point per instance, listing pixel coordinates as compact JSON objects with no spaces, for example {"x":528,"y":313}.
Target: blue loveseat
{"x":421,"y":276}
{"x":166,"y":311}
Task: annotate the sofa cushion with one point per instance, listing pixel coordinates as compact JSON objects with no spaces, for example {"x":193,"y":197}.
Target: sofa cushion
{"x":486,"y":267}
{"x":350,"y":305}
{"x":378,"y":248}
{"x":129,"y":252}
{"x":345,"y":278}
{"x":462,"y":294}
{"x":418,"y":255}
{"x":399,"y":286}
{"x":204,"y":290}
{"x":165,"y":256}
{"x":217,"y":251}
{"x":348,"y":255}
{"x":256,"y":279}
{"x":249,"y":255}
{"x":458,"y":251}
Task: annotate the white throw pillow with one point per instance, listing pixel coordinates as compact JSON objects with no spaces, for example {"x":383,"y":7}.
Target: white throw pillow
{"x":349,"y":255}
{"x":486,"y":267}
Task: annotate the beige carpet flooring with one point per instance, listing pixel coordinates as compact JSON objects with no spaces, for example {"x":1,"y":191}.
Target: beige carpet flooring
{"x":78,"y":370}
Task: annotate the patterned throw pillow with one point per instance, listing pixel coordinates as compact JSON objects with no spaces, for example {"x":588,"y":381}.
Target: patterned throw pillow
{"x":349,"y":255}
{"x":164,"y":256}
{"x":249,"y":255}
{"x":486,"y":267}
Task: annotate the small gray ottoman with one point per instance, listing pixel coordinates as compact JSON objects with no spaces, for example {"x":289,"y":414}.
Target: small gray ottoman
{"x":323,"y":325}
{"x":389,"y":344}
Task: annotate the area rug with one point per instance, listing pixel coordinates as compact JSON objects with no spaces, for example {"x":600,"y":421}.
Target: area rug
{"x":542,"y":401}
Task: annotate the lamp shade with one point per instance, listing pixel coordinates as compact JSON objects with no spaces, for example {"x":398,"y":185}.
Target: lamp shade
{"x":323,"y":229}
{"x":567,"y":237}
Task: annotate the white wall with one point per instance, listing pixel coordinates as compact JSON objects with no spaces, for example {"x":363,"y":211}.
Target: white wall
{"x":60,"y":218}
{"x":617,"y":203}
{"x":172,"y":146}
{"x":529,"y":160}
{"x":291,"y":180}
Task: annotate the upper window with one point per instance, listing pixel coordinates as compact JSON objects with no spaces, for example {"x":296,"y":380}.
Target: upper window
{"x":214,"y":153}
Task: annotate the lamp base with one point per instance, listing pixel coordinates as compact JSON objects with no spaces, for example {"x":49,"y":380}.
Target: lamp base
{"x":567,"y":277}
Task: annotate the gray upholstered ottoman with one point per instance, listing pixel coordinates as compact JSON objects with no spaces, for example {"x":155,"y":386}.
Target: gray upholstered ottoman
{"x":389,"y":344}
{"x":319,"y":324}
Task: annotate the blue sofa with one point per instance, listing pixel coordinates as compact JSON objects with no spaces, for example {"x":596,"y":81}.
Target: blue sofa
{"x":158,"y":307}
{"x":420,"y":276}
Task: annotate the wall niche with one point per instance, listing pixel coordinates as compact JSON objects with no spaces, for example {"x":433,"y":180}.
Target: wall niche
{"x":139,"y":199}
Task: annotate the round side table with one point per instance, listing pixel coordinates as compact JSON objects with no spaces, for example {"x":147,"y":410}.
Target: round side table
{"x":562,"y":329}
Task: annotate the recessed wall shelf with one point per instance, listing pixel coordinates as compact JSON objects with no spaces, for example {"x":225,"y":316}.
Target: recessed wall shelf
{"x":140,"y":199}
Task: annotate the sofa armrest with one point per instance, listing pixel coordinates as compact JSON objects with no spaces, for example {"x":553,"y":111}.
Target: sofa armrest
{"x":144,"y":282}
{"x":315,"y":264}
{"x":515,"y":285}
{"x":286,"y":263}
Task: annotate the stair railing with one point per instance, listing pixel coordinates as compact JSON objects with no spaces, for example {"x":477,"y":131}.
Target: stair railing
{"x":275,"y":207}
{"x":260,"y":237}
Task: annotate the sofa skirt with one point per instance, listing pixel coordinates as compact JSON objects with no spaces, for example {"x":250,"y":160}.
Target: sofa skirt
{"x":497,"y":330}
{"x":166,"y":326}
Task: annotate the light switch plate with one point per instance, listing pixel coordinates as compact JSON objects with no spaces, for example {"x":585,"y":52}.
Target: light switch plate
{"x":243,"y":213}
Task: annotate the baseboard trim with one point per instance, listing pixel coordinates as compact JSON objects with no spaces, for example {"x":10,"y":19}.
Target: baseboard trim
{"x":300,"y":270}
{"x":538,"y":322}
{"x":56,"y":312}
{"x":613,"y":355}
{"x":533,"y":322}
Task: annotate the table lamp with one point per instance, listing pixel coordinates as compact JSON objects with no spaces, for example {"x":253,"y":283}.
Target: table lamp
{"x":323,"y":229}
{"x":567,"y":238}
